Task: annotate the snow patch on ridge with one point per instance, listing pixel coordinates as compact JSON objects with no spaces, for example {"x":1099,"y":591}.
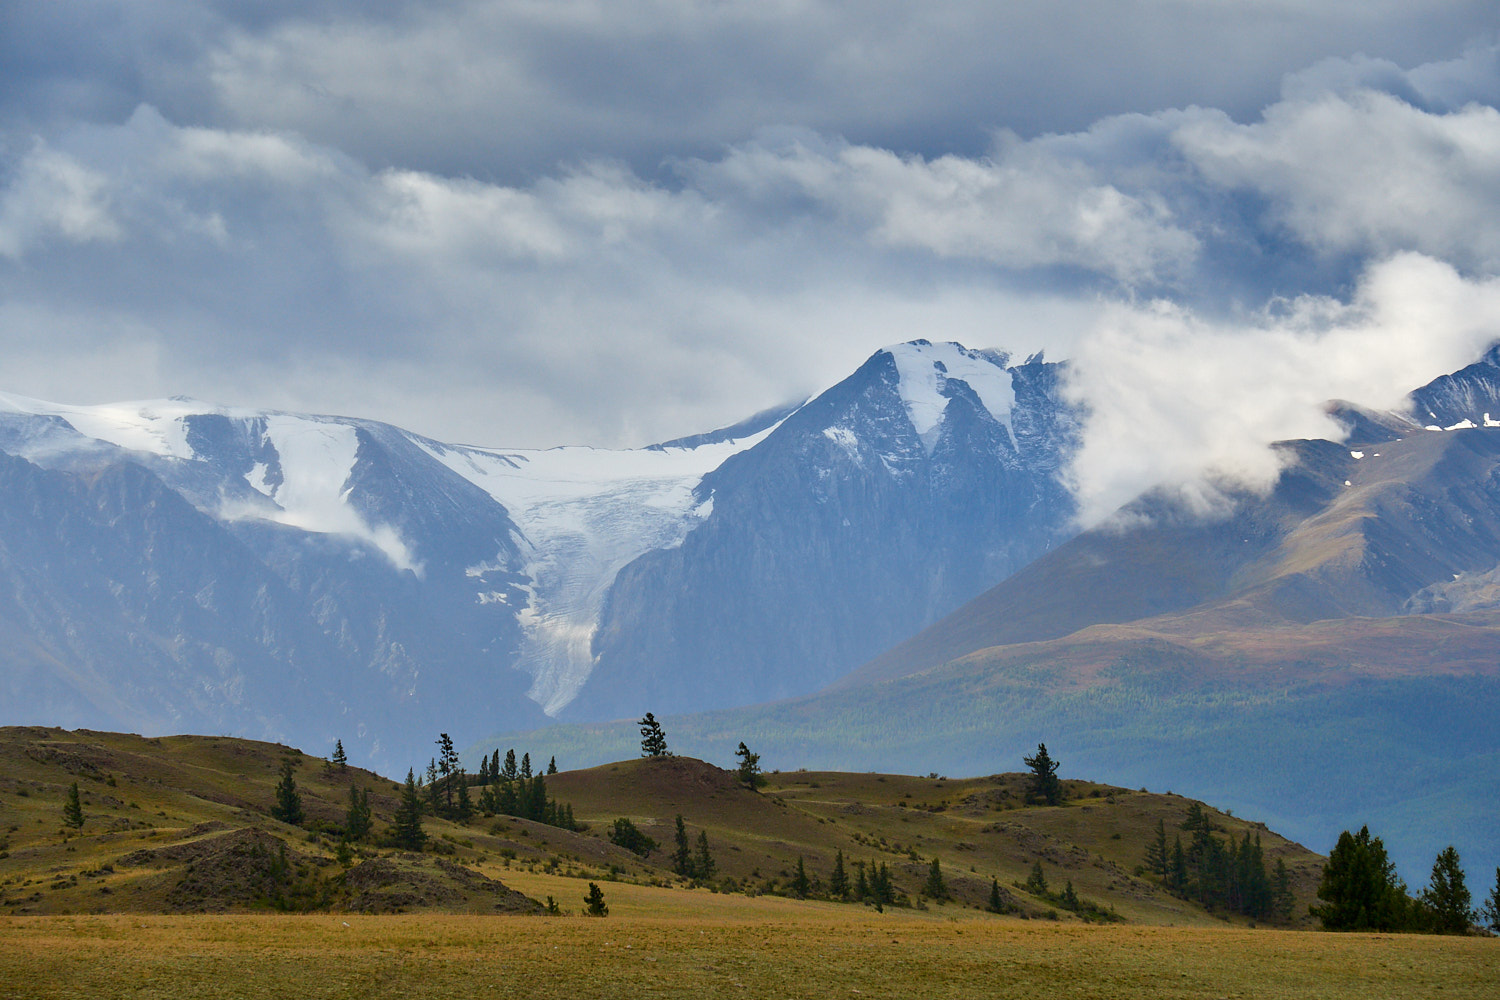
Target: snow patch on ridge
{"x":924,"y":371}
{"x":152,"y":426}
{"x":316,"y":455}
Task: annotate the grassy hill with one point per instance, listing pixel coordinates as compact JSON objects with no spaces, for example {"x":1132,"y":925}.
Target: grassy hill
{"x":183,"y":824}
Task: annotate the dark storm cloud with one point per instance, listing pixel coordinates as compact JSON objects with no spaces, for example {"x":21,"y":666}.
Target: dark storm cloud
{"x":511,"y":90}
{"x":361,"y":209}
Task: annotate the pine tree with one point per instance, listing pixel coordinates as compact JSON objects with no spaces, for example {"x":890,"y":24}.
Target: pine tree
{"x":357,"y":815}
{"x":1036,"y":882}
{"x":484,"y":770}
{"x":838,"y":882}
{"x":1069,"y":899}
{"x":495,"y":765}
{"x":881,"y":889}
{"x":526,"y":767}
{"x":1490,"y":911}
{"x":682,"y":857}
{"x":703,"y":861}
{"x":1446,"y":896}
{"x":800,"y":884}
{"x":1283,"y":901}
{"x":1177,"y":876}
{"x":653,"y":739}
{"x":552,"y":765}
{"x":447,"y":765}
{"x":1360,"y":889}
{"x":510,"y":773}
{"x":464,"y":810}
{"x":1044,"y":786}
{"x":627,"y":835}
{"x":288,"y":807}
{"x":594,"y":902}
{"x":406,"y":827}
{"x":434,"y":793}
{"x":997,"y":903}
{"x":73,"y":808}
{"x":749,"y":769}
{"x":1157,"y":852}
{"x":340,"y":759}
{"x":861,"y":884}
{"x":935,"y":888}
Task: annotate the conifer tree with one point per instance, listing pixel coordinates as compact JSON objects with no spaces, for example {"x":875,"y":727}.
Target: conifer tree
{"x":749,"y":769}
{"x":357,"y":815}
{"x":838,"y":882}
{"x":434,"y":793}
{"x":935,"y":888}
{"x":996,"y":903}
{"x":552,"y":765}
{"x":1036,"y":882}
{"x":703,"y":861}
{"x":1360,"y":889}
{"x":861,"y":884}
{"x":447,"y":765}
{"x":1069,"y":899}
{"x":340,"y":759}
{"x":510,"y":773}
{"x":800,"y":884}
{"x":526,"y":767}
{"x":288,"y":807}
{"x":406,"y":828}
{"x":464,"y":810}
{"x":1446,"y":896}
{"x":653,"y":739}
{"x":1282,"y":899}
{"x":73,"y":808}
{"x":1177,"y":877}
{"x":880,"y":886}
{"x":495,"y":765}
{"x":1158,"y":855}
{"x":682,"y":856}
{"x":1490,"y":911}
{"x":1044,"y":785}
{"x":594,"y":902}
{"x":484,"y":770}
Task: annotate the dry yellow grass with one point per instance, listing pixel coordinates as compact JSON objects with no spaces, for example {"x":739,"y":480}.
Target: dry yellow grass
{"x":661,"y":943}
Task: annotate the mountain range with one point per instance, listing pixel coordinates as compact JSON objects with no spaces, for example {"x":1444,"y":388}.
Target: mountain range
{"x":1326,"y":654}
{"x":176,"y":566}
{"x":889,"y":574}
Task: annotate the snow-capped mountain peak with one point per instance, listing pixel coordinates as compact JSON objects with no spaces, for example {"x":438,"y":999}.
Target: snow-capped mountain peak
{"x":925,"y":368}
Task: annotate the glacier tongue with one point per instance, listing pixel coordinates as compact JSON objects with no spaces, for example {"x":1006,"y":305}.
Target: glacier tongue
{"x":585,"y":513}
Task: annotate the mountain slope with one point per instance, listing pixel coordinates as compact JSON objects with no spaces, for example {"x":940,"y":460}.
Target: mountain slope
{"x":929,"y":474}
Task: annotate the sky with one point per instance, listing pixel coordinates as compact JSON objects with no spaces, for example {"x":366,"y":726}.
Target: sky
{"x":536,"y":223}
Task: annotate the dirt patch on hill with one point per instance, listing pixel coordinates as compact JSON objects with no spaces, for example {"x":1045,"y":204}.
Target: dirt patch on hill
{"x":416,"y":882}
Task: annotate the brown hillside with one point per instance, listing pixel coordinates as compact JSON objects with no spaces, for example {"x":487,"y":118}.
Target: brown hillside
{"x":183,"y":824}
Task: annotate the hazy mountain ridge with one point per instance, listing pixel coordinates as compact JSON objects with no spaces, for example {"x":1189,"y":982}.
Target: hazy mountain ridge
{"x":390,"y":576}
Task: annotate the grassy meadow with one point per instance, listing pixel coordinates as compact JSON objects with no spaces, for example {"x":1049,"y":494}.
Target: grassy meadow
{"x":667,"y":943}
{"x":159,"y":893}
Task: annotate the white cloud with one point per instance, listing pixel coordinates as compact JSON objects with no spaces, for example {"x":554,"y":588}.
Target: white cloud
{"x":53,"y":195}
{"x":1365,"y":173}
{"x":1183,"y":401}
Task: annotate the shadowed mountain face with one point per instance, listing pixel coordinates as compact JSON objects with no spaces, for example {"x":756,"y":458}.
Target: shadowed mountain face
{"x":849,"y":528}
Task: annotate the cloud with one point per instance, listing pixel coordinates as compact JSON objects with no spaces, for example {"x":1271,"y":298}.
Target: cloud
{"x":1364,"y":173}
{"x":1182,"y":402}
{"x":512,"y":90}
{"x":54,"y":196}
{"x":317,"y":209}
